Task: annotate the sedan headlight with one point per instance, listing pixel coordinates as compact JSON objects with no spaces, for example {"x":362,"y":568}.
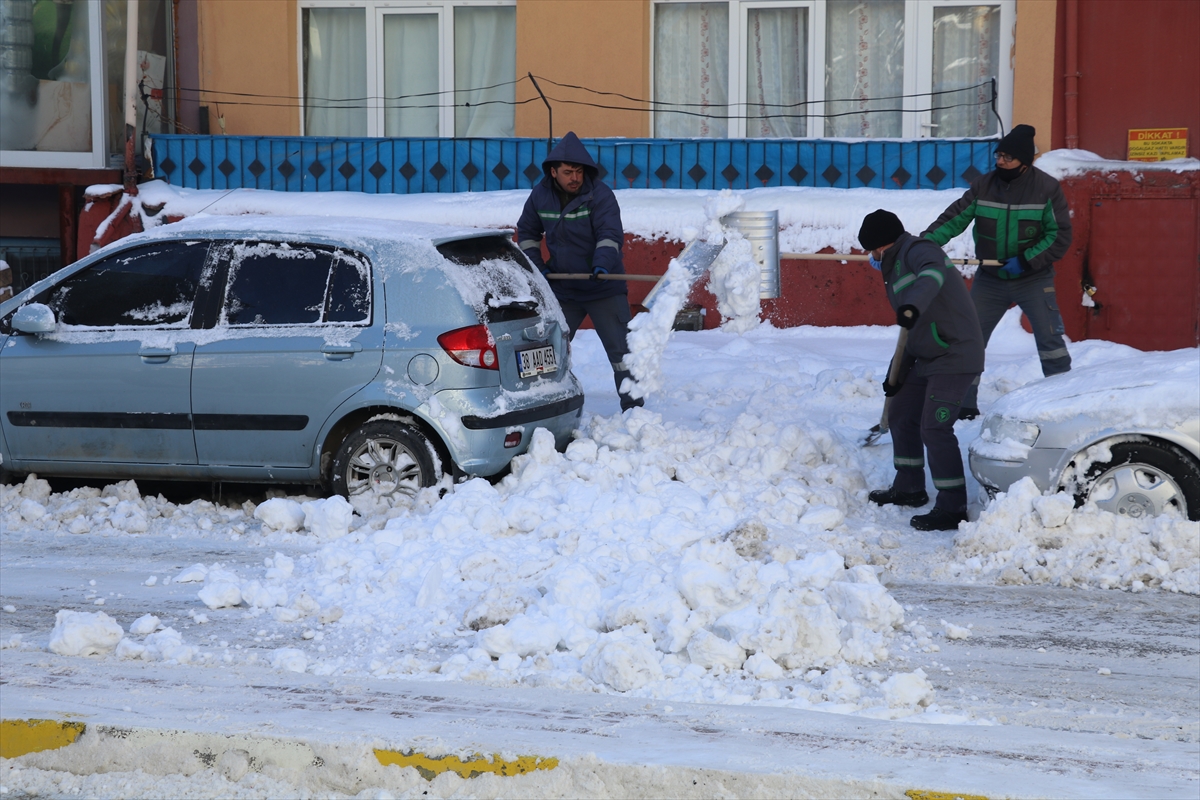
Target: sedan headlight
{"x":998,"y":428}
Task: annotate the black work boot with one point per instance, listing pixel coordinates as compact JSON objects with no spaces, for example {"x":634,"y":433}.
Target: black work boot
{"x":940,"y":519}
{"x":885,"y":497}
{"x":628,"y":402}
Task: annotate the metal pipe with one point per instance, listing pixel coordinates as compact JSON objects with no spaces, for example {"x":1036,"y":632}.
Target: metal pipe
{"x":549,"y":110}
{"x":1071,"y":89}
{"x":962,"y":262}
{"x":131,"y":38}
{"x":587,"y":276}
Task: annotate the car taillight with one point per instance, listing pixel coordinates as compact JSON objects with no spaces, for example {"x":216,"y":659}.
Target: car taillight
{"x":472,"y":347}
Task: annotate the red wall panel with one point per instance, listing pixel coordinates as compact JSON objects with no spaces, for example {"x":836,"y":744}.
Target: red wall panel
{"x":1139,"y":67}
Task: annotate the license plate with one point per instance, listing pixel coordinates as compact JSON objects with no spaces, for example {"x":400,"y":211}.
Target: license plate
{"x":536,"y":361}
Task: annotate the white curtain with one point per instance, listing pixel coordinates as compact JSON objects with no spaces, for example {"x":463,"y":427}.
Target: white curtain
{"x":776,"y":71}
{"x":864,"y":67}
{"x":691,"y":65}
{"x":966,"y":52}
{"x":335,"y":72}
{"x":485,"y":54}
{"x":410,"y":75}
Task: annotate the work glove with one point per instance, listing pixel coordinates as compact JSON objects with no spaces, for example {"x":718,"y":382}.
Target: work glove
{"x":888,"y":389}
{"x":1012,"y":268}
{"x":906,"y":317}
{"x":597,"y":272}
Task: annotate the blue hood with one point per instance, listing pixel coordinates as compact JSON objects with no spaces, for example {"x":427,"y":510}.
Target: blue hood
{"x":569,"y":148}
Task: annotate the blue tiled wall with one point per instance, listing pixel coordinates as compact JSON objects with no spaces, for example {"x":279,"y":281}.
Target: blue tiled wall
{"x":409,"y":166}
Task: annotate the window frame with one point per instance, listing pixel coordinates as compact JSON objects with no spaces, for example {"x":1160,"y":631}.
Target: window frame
{"x":375,"y":11}
{"x":918,"y":61}
{"x":97,"y":157}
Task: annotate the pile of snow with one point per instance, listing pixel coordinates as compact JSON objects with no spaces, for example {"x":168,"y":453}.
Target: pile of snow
{"x":717,"y":546}
{"x":1024,"y":537}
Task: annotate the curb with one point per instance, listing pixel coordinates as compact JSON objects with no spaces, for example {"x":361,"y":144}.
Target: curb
{"x":236,"y":754}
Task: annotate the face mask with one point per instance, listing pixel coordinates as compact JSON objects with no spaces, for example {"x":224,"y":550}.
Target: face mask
{"x":876,"y":264}
{"x":1008,"y":174}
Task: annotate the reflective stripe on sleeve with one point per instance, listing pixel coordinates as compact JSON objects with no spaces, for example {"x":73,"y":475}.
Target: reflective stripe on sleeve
{"x":608,"y":243}
{"x":529,"y":244}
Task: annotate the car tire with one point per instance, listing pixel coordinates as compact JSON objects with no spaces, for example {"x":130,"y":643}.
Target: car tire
{"x":1143,"y":478}
{"x":384,"y":458}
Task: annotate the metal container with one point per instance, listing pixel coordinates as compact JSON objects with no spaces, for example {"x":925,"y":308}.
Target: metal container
{"x":761,"y":229}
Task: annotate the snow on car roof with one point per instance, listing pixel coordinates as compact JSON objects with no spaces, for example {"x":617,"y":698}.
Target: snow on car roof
{"x":1156,"y":390}
{"x":315,"y":228}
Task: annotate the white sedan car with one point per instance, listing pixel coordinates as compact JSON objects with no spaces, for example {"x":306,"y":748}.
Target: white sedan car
{"x":1124,"y":435}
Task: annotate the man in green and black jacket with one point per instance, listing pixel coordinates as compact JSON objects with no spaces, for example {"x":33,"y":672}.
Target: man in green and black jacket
{"x":1021,"y":219}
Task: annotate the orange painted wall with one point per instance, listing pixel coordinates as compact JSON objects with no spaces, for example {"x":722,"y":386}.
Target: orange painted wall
{"x":600,"y":44}
{"x":1033,"y":68}
{"x":250,"y":46}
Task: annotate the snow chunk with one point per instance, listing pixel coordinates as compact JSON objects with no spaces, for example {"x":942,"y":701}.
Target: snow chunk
{"x":144,"y":625}
{"x":281,"y":514}
{"x":82,"y":633}
{"x":625,"y":660}
{"x":289,"y":659}
{"x":329,"y":518}
{"x":908,"y":690}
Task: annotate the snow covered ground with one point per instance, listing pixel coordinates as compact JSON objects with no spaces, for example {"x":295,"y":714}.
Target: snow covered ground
{"x":713,"y":550}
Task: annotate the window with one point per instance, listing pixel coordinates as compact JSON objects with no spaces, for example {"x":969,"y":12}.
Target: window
{"x":434,"y":68}
{"x":151,"y":285}
{"x":834,"y":68}
{"x":283,"y":284}
{"x":64,"y":80}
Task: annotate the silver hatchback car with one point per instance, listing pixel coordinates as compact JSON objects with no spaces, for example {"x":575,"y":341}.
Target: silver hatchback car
{"x":370,"y":357}
{"x":1124,"y":434}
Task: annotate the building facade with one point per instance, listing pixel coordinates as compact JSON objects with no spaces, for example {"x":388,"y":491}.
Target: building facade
{"x":1083,"y":72}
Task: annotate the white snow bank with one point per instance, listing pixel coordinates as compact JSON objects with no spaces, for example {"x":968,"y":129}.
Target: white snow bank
{"x":1024,"y":537}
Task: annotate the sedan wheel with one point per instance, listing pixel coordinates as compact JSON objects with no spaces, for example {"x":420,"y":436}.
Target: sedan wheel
{"x":1144,"y":479}
{"x":384,"y":458}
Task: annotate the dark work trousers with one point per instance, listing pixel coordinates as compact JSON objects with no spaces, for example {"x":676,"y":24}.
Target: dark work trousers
{"x":1035,"y":296}
{"x":610,"y":317}
{"x":921,"y":417}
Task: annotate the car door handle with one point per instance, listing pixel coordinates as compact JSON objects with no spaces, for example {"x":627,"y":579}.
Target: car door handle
{"x":340,"y":352}
{"x":156,"y":355}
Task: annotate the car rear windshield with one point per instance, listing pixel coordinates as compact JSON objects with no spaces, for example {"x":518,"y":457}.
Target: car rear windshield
{"x":502,"y":283}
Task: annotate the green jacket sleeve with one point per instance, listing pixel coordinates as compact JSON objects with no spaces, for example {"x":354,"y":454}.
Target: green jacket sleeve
{"x":955,"y":219}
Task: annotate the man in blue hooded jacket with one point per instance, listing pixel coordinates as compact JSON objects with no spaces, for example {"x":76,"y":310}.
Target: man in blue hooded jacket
{"x":581,"y":221}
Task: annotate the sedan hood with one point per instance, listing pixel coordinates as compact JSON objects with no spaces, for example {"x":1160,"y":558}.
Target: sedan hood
{"x":1147,"y":391}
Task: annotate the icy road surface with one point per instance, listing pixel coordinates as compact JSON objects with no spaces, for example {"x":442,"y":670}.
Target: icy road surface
{"x":713,"y":550}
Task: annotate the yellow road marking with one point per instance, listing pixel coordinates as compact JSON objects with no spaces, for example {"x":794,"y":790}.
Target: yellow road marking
{"x":21,"y":736}
{"x":431,"y":767}
{"x":920,"y":794}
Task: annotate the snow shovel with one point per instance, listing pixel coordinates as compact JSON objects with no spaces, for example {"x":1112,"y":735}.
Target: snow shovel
{"x":894,"y":368}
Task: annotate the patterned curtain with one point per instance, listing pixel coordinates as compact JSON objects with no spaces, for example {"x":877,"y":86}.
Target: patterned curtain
{"x":691,"y":66}
{"x":864,"y":67}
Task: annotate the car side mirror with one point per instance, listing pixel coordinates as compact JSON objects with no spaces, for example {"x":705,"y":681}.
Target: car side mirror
{"x":34,"y":318}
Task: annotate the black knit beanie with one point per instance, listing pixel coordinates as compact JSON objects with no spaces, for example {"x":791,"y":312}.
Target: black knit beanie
{"x":880,"y":227}
{"x":1018,"y":143}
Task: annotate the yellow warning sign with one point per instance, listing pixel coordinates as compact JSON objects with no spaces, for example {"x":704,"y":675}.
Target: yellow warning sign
{"x":1157,"y":144}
